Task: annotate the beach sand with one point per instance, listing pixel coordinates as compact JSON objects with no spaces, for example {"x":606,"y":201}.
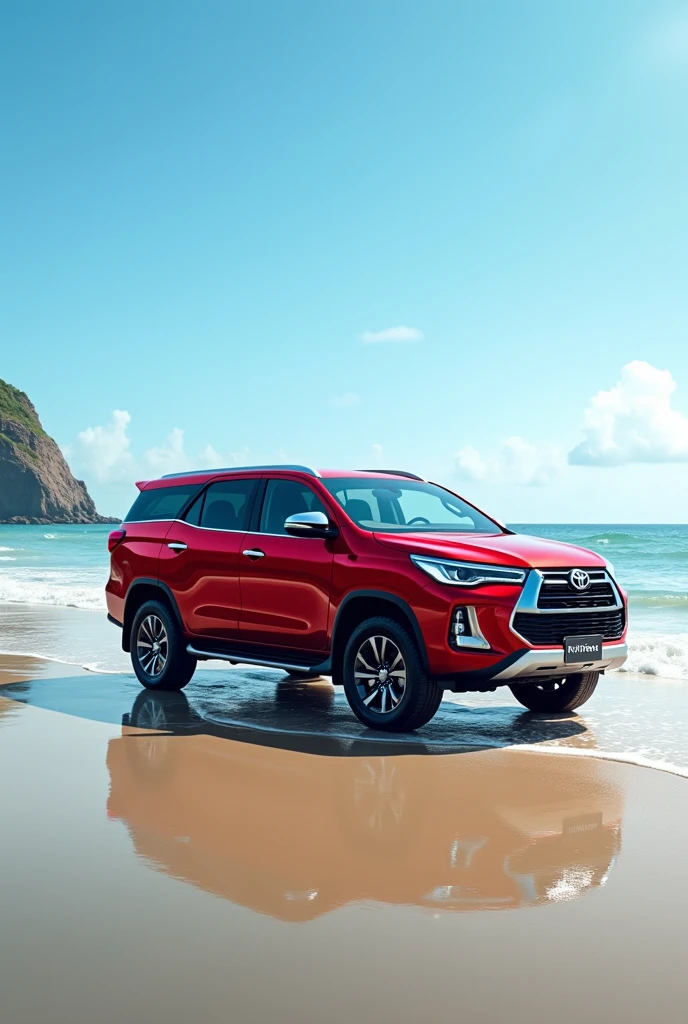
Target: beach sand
{"x":245,"y":851}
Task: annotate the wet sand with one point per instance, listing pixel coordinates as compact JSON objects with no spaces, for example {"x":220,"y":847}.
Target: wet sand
{"x":244,"y":851}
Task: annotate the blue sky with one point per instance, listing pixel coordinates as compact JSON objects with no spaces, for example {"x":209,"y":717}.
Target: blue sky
{"x":211,"y":210}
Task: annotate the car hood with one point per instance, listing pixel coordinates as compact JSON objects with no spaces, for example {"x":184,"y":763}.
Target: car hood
{"x":495,"y":549}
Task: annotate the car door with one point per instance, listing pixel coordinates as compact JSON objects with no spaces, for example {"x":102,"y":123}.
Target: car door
{"x":285,"y":581}
{"x":200,"y":560}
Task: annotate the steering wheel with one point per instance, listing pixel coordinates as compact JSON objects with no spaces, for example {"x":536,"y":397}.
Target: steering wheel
{"x":418,"y":519}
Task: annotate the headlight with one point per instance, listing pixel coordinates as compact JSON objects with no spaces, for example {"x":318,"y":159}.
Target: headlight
{"x":466,"y":574}
{"x":610,"y":569}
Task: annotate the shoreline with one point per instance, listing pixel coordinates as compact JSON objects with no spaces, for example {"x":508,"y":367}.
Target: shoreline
{"x":83,"y":637}
{"x":626,"y":721}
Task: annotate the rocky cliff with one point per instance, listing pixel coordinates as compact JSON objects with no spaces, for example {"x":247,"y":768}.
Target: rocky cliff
{"x":36,"y":484}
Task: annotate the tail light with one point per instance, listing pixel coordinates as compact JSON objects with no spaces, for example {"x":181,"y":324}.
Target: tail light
{"x":115,"y":538}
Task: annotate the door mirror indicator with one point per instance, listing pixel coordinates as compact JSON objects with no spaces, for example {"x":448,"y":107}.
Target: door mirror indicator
{"x":310,"y":524}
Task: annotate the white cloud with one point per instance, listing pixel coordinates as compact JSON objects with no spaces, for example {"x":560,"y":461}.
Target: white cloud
{"x":634,"y":421}
{"x":376,"y":449}
{"x":350,"y":398}
{"x":470,"y":464}
{"x":103,"y":452}
{"x":516,"y":461}
{"x":171,"y":457}
{"x":392,"y":334}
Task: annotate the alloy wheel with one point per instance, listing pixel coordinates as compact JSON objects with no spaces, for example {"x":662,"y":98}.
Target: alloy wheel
{"x":380,"y":674}
{"x":152,"y":645}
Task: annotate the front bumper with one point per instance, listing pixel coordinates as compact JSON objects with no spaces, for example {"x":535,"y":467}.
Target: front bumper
{"x":550,"y":662}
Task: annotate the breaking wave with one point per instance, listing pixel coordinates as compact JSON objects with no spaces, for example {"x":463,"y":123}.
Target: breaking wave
{"x":53,"y":587}
{"x":655,"y":654}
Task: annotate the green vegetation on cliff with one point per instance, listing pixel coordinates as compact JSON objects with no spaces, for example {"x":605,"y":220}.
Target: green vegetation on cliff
{"x":36,"y":484}
{"x":16,"y":406}
{"x":20,"y":446}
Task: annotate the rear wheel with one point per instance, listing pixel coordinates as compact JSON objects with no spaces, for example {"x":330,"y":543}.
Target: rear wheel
{"x":384,"y":679}
{"x":158,"y":650}
{"x":562,"y":693}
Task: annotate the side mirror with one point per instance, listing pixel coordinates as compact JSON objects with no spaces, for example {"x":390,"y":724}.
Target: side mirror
{"x":310,"y":524}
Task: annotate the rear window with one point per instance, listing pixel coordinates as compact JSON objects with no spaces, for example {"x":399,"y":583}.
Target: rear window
{"x":160,"y":503}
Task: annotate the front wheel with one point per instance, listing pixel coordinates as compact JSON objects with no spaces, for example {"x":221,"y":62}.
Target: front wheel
{"x":385,"y":682}
{"x":558,"y":693}
{"x":158,"y":650}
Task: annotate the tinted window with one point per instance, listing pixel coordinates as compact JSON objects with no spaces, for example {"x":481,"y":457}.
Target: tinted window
{"x":227,"y":505}
{"x":193,"y":515}
{"x":407,"y":506}
{"x":160,"y":503}
{"x":284,"y":498}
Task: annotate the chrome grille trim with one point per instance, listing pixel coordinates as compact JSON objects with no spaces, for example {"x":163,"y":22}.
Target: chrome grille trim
{"x":599,"y":594}
{"x":528,"y":600}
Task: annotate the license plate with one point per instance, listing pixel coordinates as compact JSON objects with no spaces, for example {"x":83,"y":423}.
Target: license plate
{"x":582,"y":648}
{"x":583,"y":824}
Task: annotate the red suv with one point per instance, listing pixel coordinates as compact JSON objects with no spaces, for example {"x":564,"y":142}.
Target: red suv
{"x":394,"y":586}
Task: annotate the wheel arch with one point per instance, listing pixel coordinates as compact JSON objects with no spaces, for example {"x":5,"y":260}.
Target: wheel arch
{"x":141,"y":590}
{"x":359,"y":605}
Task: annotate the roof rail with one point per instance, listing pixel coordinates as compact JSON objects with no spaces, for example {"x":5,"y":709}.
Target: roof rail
{"x":394,"y":472}
{"x":242,"y":469}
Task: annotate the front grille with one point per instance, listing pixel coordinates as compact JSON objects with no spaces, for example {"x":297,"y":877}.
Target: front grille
{"x":550,"y":630}
{"x":557,"y":592}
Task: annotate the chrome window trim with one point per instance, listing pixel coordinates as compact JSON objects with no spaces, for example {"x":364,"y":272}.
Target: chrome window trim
{"x":192,"y":526}
{"x":528,"y":599}
{"x":214,"y":529}
{"x":257,"y":533}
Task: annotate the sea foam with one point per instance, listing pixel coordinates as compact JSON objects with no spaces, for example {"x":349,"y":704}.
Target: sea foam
{"x":53,"y":590}
{"x":658,"y":654}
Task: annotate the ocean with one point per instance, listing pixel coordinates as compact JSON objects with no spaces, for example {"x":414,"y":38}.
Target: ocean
{"x":67,"y":566}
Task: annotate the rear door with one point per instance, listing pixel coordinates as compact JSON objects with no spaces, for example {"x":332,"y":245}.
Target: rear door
{"x":285,"y":581}
{"x":200,"y":559}
{"x":145,"y":527}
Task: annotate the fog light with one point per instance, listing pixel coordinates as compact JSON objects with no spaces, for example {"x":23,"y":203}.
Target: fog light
{"x":465,"y":631}
{"x":461,"y":626}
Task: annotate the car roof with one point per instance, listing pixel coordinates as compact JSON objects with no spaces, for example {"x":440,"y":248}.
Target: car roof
{"x":201,"y":476}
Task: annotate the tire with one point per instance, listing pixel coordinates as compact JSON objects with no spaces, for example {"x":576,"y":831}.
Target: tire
{"x":564,"y":693}
{"x":162,"y":712}
{"x":396,"y":701}
{"x":154,"y":624}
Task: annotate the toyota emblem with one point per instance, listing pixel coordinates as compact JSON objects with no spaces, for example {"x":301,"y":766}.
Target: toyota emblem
{"x":579,"y":579}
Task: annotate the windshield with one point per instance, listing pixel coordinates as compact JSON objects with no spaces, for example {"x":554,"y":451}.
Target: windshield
{"x":406,"y":506}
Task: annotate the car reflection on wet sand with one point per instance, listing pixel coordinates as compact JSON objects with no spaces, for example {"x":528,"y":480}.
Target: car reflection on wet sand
{"x":296,"y":835}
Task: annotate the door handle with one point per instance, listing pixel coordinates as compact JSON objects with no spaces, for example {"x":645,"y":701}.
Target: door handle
{"x":177,"y":545}
{"x":253,"y":553}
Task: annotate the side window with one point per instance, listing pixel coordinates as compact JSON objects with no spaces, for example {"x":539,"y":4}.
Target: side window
{"x":361,"y":505}
{"x":284,"y":498}
{"x":160,"y":503}
{"x":227,"y":505}
{"x":193,"y":516}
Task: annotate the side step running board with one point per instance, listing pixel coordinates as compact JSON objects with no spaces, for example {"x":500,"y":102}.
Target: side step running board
{"x":236,"y":657}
